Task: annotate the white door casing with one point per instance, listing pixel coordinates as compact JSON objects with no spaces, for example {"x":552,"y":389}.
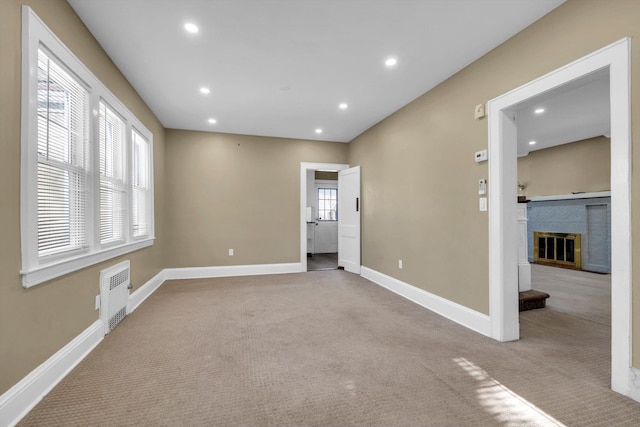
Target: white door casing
{"x":502,"y":204}
{"x":349,"y":219}
{"x":305,"y":177}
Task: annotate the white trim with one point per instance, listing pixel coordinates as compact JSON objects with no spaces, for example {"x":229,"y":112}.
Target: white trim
{"x":304,"y":167}
{"x":50,"y":271}
{"x":230,"y":271}
{"x":502,"y":179}
{"x":144,"y":291}
{"x":571,"y":196}
{"x":16,"y":402}
{"x":460,"y":314}
{"x":634,"y":384}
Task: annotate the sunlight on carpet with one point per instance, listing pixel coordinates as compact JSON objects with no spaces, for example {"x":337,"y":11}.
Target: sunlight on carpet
{"x":507,"y":407}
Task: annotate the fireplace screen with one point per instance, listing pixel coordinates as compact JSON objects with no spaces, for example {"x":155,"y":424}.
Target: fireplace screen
{"x":563,"y":249}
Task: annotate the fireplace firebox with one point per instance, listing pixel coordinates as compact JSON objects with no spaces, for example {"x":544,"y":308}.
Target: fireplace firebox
{"x":560,"y":249}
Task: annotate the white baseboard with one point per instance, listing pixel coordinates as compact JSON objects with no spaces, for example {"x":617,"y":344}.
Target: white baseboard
{"x":231,"y":270}
{"x":144,"y":291}
{"x":471,"y":319}
{"x":16,"y":402}
{"x":634,"y":384}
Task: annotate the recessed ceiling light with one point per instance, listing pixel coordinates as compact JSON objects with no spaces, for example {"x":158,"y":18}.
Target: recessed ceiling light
{"x":390,"y":62}
{"x":539,"y":110}
{"x":318,"y":130}
{"x":343,"y":106}
{"x":212,"y":121}
{"x":190,"y":27}
{"x":204,"y":90}
{"x":532,"y":143}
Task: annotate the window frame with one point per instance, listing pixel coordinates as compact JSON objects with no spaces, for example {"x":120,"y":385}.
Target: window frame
{"x":37,"y":269}
{"x":326,"y":185}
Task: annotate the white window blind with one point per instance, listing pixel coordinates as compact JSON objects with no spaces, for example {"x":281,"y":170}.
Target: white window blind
{"x":63,"y":130}
{"x":112,"y":178}
{"x":140,"y":197}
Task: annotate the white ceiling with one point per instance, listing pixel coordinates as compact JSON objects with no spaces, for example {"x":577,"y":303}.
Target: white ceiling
{"x":281,"y":67}
{"x":575,"y":111}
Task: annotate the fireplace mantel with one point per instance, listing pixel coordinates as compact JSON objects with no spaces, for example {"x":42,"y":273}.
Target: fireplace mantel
{"x":571,"y":196}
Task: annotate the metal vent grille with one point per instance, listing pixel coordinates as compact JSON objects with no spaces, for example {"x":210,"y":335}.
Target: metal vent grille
{"x":114,"y":294}
{"x":117,"y":318}
{"x":118,"y":279}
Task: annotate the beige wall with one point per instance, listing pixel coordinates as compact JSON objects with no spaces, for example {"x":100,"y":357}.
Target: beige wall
{"x":242,"y":192}
{"x":37,"y":322}
{"x":583,"y":166}
{"x":419,"y":188}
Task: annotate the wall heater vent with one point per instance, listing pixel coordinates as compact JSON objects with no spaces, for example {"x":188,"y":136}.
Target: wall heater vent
{"x":114,"y":294}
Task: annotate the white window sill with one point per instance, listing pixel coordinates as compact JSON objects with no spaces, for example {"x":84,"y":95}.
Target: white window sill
{"x":43,"y":273}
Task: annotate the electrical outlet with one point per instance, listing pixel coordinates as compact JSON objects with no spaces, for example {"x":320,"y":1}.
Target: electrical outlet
{"x":400,"y":264}
{"x":230,"y":252}
{"x":97,"y":302}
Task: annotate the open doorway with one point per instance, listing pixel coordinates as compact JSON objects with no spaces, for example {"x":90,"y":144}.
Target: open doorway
{"x":563,"y":171}
{"x":322,"y":220}
{"x":503,"y":270}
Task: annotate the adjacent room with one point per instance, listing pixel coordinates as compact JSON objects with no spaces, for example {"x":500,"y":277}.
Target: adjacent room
{"x":319,"y":213}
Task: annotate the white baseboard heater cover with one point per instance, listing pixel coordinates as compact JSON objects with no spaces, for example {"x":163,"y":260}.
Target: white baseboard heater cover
{"x":115,"y":282}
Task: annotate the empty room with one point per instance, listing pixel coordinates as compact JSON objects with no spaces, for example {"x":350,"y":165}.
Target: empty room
{"x":319,"y":212}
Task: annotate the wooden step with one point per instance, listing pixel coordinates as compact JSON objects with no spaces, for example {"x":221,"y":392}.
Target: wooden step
{"x":530,"y":300}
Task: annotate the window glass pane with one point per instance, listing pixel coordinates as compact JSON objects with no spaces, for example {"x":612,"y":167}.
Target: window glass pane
{"x":63,"y":123}
{"x":112,"y":183}
{"x":328,"y":204}
{"x":63,"y":114}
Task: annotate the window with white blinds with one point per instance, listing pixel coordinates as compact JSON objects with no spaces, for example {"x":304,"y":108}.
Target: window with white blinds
{"x":113,"y":188}
{"x":87,"y":164}
{"x":140,"y":197}
{"x":63,"y":133}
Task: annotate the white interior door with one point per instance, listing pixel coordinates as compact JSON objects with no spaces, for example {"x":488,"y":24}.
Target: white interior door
{"x":349,"y":219}
{"x":326,"y":227}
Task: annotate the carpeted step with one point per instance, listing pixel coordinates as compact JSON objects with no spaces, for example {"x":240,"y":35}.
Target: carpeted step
{"x":530,"y":300}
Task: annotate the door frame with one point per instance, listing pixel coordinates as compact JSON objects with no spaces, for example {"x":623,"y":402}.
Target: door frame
{"x":502,"y":204}
{"x":304,"y":167}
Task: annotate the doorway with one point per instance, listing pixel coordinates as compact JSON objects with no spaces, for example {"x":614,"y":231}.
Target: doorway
{"x":503,"y":266}
{"x":322,"y":251}
{"x":348,"y":219}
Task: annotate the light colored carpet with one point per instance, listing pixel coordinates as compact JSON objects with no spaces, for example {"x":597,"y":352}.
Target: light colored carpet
{"x":579,"y":293}
{"x":329,"y":348}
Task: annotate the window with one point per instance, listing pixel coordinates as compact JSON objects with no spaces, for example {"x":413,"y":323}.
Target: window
{"x":87,"y":170}
{"x":62,"y":135}
{"x":112,"y":180}
{"x":328,"y":204}
{"x":140,"y":197}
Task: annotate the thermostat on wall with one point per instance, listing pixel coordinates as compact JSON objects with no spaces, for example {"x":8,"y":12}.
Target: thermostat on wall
{"x":481,"y":156}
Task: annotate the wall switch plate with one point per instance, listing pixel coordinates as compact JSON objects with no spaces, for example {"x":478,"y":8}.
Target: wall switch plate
{"x":479,"y":112}
{"x":230,"y":252}
{"x":483,"y":204}
{"x":481,"y":156}
{"x":97,"y":302}
{"x":400,"y":264}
